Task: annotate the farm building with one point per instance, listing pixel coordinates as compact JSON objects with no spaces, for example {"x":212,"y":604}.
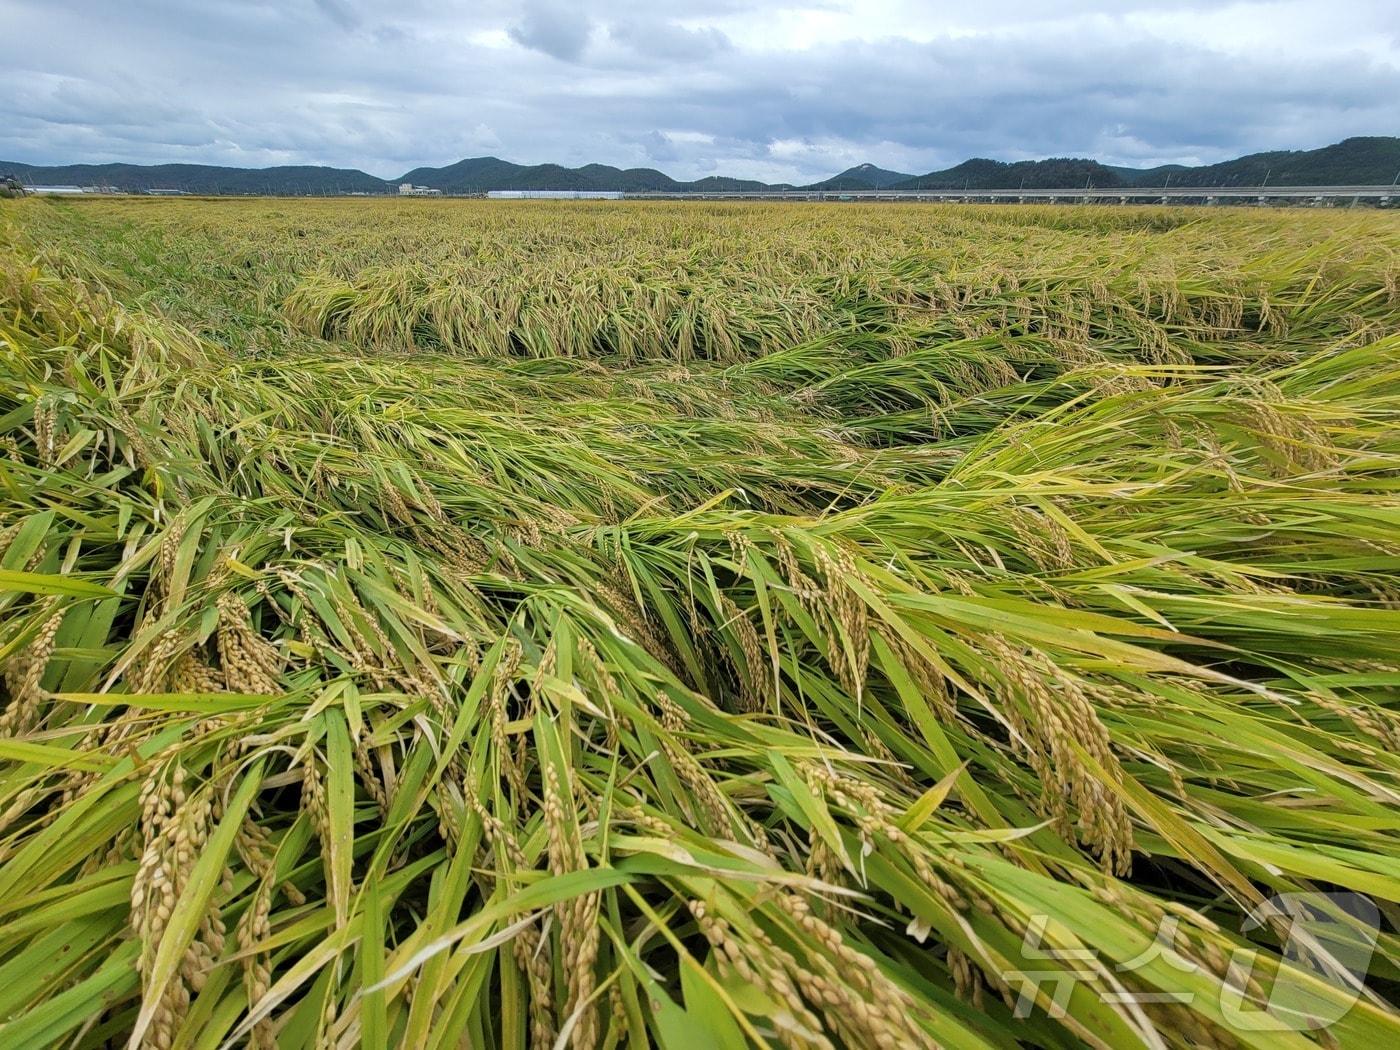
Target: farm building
{"x":407,"y":189}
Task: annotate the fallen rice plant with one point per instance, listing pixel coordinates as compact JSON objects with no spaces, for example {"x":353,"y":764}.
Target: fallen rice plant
{"x":471,"y":625}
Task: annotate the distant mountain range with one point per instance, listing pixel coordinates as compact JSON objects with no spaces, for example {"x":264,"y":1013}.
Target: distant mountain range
{"x":1356,"y":161}
{"x":481,"y":174}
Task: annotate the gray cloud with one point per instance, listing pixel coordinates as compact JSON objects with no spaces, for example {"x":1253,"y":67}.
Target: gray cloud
{"x":555,"y":29}
{"x":665,"y":41}
{"x":782,"y":90}
{"x":340,"y":12}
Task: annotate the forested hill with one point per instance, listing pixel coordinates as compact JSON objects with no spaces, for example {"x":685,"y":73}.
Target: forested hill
{"x":1054,"y":174}
{"x":201,"y":178}
{"x":1373,"y":161}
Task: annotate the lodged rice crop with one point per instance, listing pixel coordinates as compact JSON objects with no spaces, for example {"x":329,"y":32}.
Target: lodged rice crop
{"x":470,"y":624}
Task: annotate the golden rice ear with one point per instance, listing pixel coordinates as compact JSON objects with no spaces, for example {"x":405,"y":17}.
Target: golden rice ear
{"x":24,"y":670}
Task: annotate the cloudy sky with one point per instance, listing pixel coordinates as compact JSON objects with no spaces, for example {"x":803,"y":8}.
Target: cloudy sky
{"x":771,"y":90}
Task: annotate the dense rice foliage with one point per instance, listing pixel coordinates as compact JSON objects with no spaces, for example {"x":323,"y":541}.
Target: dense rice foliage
{"x":475,"y":624}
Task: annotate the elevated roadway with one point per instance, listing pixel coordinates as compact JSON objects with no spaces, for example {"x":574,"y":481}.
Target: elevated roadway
{"x":1383,"y":195}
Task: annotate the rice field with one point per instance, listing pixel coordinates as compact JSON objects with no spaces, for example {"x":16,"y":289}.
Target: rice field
{"x":534,"y":625}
